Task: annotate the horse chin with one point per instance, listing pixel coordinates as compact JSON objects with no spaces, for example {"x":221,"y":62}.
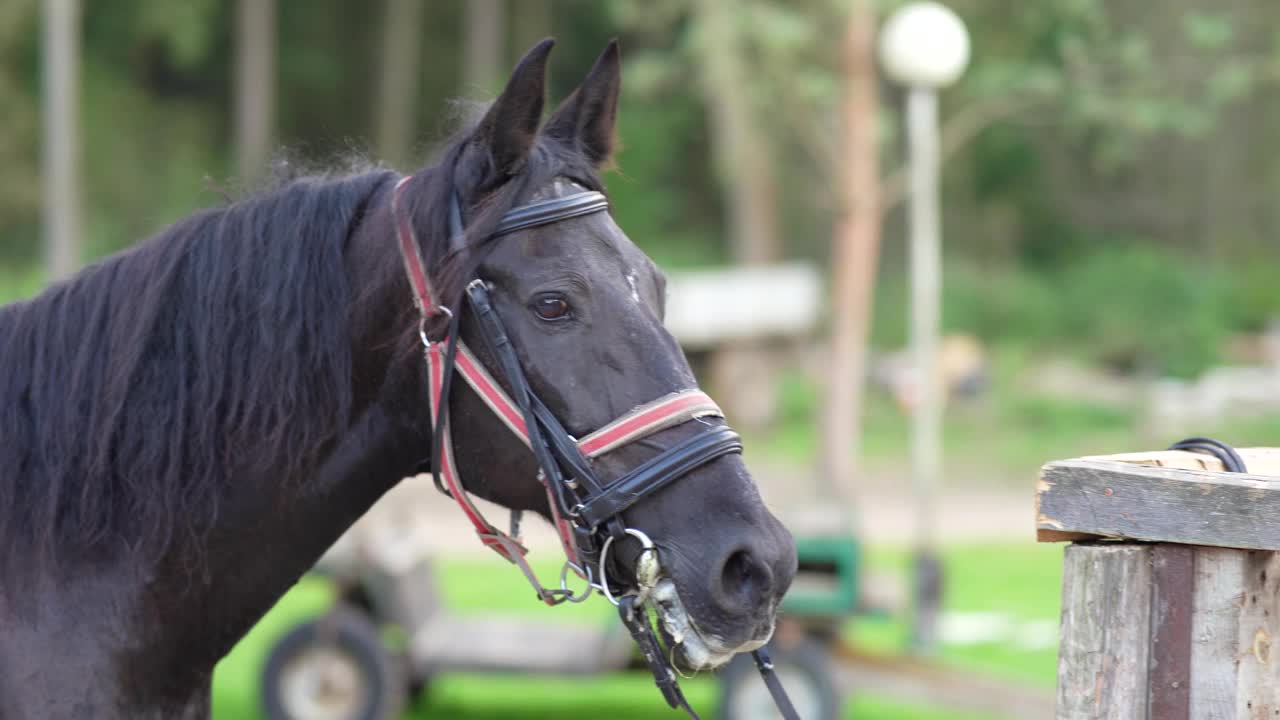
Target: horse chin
{"x":691,"y":649}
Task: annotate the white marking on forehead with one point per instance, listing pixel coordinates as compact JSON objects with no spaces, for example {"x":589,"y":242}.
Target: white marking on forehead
{"x":635,"y":291}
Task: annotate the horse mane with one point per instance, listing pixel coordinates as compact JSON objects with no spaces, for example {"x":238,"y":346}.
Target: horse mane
{"x":133,"y":393}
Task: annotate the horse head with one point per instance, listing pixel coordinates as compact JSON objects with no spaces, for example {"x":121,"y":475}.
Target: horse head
{"x":581,"y":307}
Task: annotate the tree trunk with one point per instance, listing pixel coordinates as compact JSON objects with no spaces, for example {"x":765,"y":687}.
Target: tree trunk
{"x":532,"y":20}
{"x":255,"y":85}
{"x":742,"y":149}
{"x":854,"y":255}
{"x":62,"y":136}
{"x":398,"y":86}
{"x":482,"y":66}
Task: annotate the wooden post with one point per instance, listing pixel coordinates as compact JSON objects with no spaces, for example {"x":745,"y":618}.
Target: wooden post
{"x":1174,"y":616}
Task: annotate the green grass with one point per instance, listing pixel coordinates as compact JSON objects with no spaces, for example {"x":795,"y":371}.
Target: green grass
{"x":1020,"y":581}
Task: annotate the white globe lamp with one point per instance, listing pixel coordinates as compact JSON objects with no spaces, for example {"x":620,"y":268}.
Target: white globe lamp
{"x":924,"y":45}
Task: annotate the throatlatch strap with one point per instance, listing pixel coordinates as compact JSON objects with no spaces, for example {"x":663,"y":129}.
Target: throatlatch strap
{"x":489,"y":535}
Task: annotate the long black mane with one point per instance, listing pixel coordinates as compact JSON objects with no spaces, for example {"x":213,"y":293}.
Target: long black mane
{"x":132,"y":394}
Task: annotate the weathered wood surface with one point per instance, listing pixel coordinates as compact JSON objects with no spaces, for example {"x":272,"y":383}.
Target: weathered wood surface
{"x":1215,"y":619}
{"x":1258,"y":461}
{"x":1172,"y":598}
{"x":1078,"y":498}
{"x":1105,"y":644}
{"x":1258,"y":669}
{"x":1166,"y":632}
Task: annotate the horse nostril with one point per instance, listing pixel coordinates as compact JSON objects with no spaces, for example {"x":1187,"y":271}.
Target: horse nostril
{"x":744,"y":582}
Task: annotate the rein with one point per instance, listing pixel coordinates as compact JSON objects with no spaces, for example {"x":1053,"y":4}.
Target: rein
{"x":586,"y":512}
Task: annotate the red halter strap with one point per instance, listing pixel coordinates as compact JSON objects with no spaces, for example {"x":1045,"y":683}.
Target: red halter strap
{"x":660,"y":414}
{"x":411,"y":254}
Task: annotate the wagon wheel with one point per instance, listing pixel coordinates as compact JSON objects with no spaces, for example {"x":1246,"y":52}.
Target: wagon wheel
{"x":333,"y":668}
{"x":805,"y":673}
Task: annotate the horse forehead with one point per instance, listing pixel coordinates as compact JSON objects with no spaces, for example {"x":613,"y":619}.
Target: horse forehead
{"x":593,"y":243}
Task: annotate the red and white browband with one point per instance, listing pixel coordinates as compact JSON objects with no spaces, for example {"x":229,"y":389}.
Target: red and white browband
{"x":660,"y":414}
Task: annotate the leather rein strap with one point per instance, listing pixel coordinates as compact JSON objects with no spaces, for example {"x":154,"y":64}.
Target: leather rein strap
{"x":585,"y":511}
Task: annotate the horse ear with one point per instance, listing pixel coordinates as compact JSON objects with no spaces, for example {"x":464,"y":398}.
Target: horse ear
{"x":511,"y":124}
{"x":586,"y":118}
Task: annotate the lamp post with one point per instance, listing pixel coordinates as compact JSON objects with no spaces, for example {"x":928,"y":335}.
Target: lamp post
{"x":925,"y":47}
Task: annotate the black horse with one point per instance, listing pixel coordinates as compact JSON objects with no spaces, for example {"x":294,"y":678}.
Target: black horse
{"x":185,"y":427}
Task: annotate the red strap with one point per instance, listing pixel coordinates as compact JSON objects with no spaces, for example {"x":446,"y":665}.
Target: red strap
{"x":411,"y":254}
{"x":665,"y":412}
{"x":492,"y":537}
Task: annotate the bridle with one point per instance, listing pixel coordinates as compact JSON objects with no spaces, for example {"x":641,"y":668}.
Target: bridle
{"x":586,"y":512}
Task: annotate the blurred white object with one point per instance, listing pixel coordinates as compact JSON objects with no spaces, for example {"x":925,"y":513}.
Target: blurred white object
{"x":924,"y":45}
{"x":712,"y":307}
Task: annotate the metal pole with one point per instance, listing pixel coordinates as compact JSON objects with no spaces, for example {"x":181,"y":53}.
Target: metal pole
{"x":926,"y":419}
{"x":61,"y":182}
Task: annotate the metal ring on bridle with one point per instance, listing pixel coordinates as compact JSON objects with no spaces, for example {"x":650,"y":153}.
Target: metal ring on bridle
{"x":646,"y":546}
{"x":566,"y":593}
{"x":422,"y":323}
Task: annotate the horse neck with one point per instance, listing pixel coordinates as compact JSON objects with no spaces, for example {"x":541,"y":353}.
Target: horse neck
{"x":271,"y":530}
{"x":267,"y":538}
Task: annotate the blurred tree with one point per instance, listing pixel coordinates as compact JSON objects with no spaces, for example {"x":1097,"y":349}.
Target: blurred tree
{"x":855,"y":248}
{"x":255,"y":85}
{"x":482,"y":66}
{"x":714,"y":45}
{"x":397,"y":86}
{"x":531,"y":21}
{"x":743,"y":151}
{"x":61,"y":146}
{"x":19,"y":140}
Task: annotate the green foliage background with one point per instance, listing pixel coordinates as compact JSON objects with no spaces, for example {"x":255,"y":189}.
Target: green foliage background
{"x":1117,"y":192}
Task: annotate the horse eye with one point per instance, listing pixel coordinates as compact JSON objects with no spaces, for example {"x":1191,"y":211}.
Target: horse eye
{"x":551,"y":307}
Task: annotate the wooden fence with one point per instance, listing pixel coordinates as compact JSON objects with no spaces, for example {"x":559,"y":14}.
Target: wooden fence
{"x":1171,"y":586}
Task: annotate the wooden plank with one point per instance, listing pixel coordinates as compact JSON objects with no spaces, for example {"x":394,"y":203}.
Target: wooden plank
{"x":1259,"y":461}
{"x":1119,"y":500}
{"x":1104,"y":649}
{"x":1215,"y":620}
{"x":1172,"y":588}
{"x":1258,"y":679}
